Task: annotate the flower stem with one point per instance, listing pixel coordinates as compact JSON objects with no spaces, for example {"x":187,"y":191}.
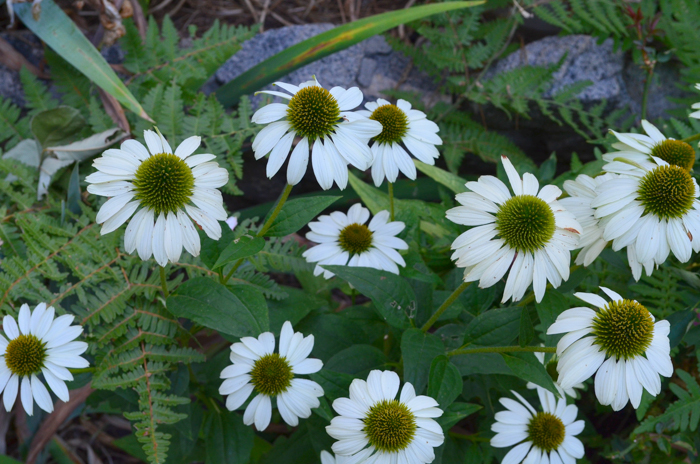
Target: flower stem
{"x":164,"y":282}
{"x":276,"y":211}
{"x":692,"y":138}
{"x":645,"y":95}
{"x":448,"y":302}
{"x":504,"y":349}
{"x":391,"y":201}
{"x":263,"y":229}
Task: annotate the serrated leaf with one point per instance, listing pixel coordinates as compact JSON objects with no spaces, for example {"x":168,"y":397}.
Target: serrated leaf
{"x":529,"y":368}
{"x":418,"y":350}
{"x":498,"y":326}
{"x":241,"y":247}
{"x":391,"y":294}
{"x":444,"y":382}
{"x":238,"y":311}
{"x":297,"y":213}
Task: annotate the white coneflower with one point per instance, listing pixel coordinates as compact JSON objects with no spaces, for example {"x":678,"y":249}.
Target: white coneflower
{"x":582,"y":192}
{"x":257,"y":368}
{"x":652,"y":209}
{"x":551,"y":368}
{"x":542,"y":437}
{"x":172,"y":189}
{"x":696,"y":106}
{"x":346,"y":240}
{"x":620,"y":341}
{"x":400,"y":125}
{"x":374,"y":426}
{"x":529,"y":233}
{"x":39,"y":345}
{"x":323,"y":121}
{"x":639,"y":148}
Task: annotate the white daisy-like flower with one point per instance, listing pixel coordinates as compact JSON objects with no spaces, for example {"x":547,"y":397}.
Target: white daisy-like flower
{"x":529,"y":233}
{"x":327,"y":127}
{"x":542,"y":437}
{"x":551,"y":368}
{"x":620,"y":341}
{"x":652,"y":209}
{"x":639,"y":148}
{"x":400,"y":125}
{"x":582,"y":191}
{"x":38,"y":345}
{"x":375,"y":427}
{"x":258,"y":369}
{"x":696,"y":106}
{"x":344,"y":239}
{"x":328,"y":458}
{"x":168,"y":187}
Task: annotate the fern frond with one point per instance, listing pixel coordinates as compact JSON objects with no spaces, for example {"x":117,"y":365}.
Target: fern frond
{"x":682,"y":415}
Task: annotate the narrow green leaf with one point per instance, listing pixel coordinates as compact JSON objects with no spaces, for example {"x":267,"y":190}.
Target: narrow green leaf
{"x":374,"y":199}
{"x":297,"y":213}
{"x":418,"y":350}
{"x":241,"y":247}
{"x":61,"y":34}
{"x":444,"y":382}
{"x":73,"y":199}
{"x":446,"y":178}
{"x":238,"y":311}
{"x":228,"y":440}
{"x":528,"y":367}
{"x":392,"y":296}
{"x":495,"y":327}
{"x":315,"y":48}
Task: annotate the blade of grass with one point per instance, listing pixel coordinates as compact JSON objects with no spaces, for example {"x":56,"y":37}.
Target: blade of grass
{"x":325,"y":44}
{"x":61,"y":34}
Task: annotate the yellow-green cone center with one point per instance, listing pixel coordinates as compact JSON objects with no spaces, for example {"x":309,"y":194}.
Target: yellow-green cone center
{"x":525,"y":223}
{"x":394,"y":123}
{"x":623,"y":329}
{"x":25,"y":355}
{"x":667,"y":192}
{"x":163,"y":183}
{"x":271,"y":375}
{"x":312,"y":112}
{"x":546,"y":431}
{"x":675,"y":152}
{"x":389,"y":426}
{"x":355,"y":238}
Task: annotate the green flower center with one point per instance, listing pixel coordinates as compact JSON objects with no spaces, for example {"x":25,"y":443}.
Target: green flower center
{"x":355,"y":238}
{"x":525,"y":222}
{"x":623,"y":329}
{"x":163,"y":183}
{"x":675,"y":152}
{"x":25,"y":355}
{"x":667,"y":192}
{"x":394,"y":123}
{"x":390,"y":426}
{"x":551,"y":369}
{"x":313,"y":112}
{"x":271,"y":375}
{"x":546,"y":431}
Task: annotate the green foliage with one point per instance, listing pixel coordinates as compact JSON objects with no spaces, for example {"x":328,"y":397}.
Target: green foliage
{"x":602,"y":18}
{"x":682,"y":415}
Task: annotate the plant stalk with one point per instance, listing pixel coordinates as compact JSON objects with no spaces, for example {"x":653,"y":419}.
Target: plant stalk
{"x":504,"y":349}
{"x":448,"y":302}
{"x":692,"y":138}
{"x":164,"y":282}
{"x":391,"y":201}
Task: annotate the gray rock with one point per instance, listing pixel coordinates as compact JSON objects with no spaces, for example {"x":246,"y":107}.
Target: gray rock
{"x":30,"y":47}
{"x":371,"y":65}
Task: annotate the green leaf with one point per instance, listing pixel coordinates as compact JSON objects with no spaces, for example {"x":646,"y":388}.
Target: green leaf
{"x":528,"y":367}
{"x":391,"y":294}
{"x":335,"y":384}
{"x":61,"y":34}
{"x":455,"y":413}
{"x":57,"y":126}
{"x":527,"y":331}
{"x":241,"y":247}
{"x":495,"y":327}
{"x":374,"y":199}
{"x":324,"y":44}
{"x":446,"y":178}
{"x":228,"y":440}
{"x":8,"y":460}
{"x":357,"y":360}
{"x":297,"y":213}
{"x":418,"y":350}
{"x":238,"y":311}
{"x":73,"y":200}
{"x":445,"y":381}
